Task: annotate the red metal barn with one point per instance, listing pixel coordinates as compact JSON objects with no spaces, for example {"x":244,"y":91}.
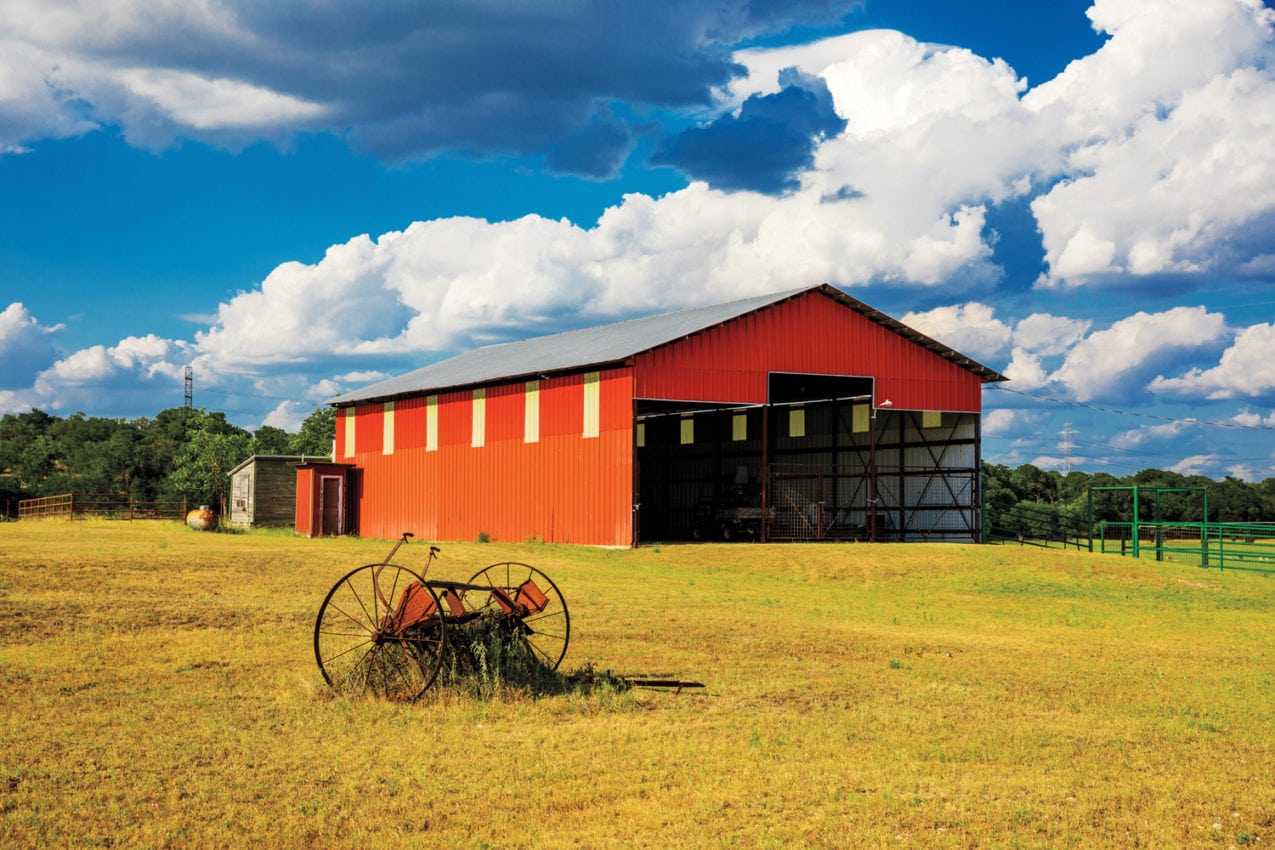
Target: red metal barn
{"x":803,"y":415}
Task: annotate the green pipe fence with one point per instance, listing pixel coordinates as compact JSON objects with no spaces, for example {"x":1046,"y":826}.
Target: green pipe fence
{"x":1220,"y":545}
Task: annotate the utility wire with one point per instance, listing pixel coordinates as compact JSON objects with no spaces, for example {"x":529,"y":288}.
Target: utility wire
{"x":1080,"y":404}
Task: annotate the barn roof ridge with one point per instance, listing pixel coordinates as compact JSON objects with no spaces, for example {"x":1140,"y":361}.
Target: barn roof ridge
{"x":574,"y":350}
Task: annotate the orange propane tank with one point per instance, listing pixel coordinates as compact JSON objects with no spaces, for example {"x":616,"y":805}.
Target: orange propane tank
{"x":204,"y":519}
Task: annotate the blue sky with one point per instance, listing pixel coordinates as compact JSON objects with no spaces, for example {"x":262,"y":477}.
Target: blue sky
{"x":297,"y":199}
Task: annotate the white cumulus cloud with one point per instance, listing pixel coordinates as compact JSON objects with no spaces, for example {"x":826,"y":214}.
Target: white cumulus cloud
{"x":970,"y":328}
{"x":1167,"y":128}
{"x":1026,"y":370}
{"x":146,"y":365}
{"x":1195,"y":464}
{"x":1249,"y":419}
{"x":1004,"y":421}
{"x":1247,"y":369}
{"x":453,"y":282}
{"x":1151,"y":433}
{"x":1114,"y":361}
{"x":1045,"y":334}
{"x":213,"y":104}
{"x":26,"y":347}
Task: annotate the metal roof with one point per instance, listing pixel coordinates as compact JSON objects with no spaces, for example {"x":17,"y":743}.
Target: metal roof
{"x":613,"y":343}
{"x":284,"y":458}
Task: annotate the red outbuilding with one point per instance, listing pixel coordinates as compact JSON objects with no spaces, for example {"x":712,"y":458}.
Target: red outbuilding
{"x":803,"y":415}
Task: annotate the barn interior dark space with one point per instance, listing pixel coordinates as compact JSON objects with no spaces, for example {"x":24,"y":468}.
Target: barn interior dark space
{"x":818,"y":463}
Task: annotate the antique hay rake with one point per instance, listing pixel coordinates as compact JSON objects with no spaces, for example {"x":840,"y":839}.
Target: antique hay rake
{"x":385,"y":630}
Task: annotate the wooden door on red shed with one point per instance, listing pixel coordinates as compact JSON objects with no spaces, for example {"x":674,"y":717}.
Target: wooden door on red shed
{"x":331,"y":501}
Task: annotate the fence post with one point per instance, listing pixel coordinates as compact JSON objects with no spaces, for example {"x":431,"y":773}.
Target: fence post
{"x":1137,"y":530}
{"x":1089,"y":510}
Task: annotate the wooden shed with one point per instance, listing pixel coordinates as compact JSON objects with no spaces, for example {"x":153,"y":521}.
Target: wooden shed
{"x":802,"y":415}
{"x":263,"y":490}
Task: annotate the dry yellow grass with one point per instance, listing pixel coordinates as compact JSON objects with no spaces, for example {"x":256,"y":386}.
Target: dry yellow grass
{"x":159,"y":690}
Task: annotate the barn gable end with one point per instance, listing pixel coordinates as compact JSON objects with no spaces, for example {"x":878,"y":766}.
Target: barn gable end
{"x":812,"y":334}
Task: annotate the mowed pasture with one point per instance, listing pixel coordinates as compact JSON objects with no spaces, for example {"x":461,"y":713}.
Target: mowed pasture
{"x":158,"y":689}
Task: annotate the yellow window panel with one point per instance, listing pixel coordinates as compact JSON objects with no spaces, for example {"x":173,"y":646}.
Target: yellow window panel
{"x":688,"y":430}
{"x":531,"y":413}
{"x":592,"y":403}
{"x":797,"y":422}
{"x":431,"y":423}
{"x":860,"y":419}
{"x":387,"y":432}
{"x":478,"y":427}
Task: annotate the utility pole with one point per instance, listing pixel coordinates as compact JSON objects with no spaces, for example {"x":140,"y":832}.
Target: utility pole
{"x":1066,"y":445}
{"x":190,"y":387}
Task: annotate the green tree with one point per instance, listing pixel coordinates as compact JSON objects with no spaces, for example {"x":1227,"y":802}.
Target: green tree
{"x":26,"y":466}
{"x":317,"y":433}
{"x":38,"y":464}
{"x":1035,"y":484}
{"x":269,"y":440}
{"x":1233,"y":500}
{"x":95,"y":455}
{"x":203,"y":466}
{"x":212,"y":448}
{"x":999,"y":495}
{"x":1266,"y":492}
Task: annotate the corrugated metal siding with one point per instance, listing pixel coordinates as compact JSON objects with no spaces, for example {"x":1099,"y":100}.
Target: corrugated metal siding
{"x":815,"y":334}
{"x":409,"y":424}
{"x":305,"y":502}
{"x":563,"y":488}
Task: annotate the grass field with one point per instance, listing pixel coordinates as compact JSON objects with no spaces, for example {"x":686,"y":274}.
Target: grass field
{"x":158,"y":689}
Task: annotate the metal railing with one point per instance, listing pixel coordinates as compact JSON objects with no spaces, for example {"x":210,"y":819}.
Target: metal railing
{"x":101,"y":505}
{"x":1028,"y":526}
{"x":1227,"y":546}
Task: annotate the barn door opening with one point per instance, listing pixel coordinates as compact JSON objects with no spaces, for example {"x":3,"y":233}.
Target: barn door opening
{"x":786,"y":388}
{"x":701,"y":467}
{"x":694,"y":464}
{"x":332,"y":506}
{"x":895,"y":476}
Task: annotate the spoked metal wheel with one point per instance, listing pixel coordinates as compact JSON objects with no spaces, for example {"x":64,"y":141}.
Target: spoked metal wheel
{"x":539,"y":605}
{"x":380,"y":632}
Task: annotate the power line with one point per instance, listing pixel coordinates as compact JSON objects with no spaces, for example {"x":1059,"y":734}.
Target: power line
{"x":1118,"y":412}
{"x":262,"y":396}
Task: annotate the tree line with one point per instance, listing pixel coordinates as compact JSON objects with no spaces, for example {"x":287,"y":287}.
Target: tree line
{"x":187,"y":453}
{"x":1034,"y":501}
{"x":183,"y":453}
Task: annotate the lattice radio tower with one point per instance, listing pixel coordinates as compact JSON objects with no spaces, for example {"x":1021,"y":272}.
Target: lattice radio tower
{"x":190,"y":387}
{"x":1066,"y":445}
